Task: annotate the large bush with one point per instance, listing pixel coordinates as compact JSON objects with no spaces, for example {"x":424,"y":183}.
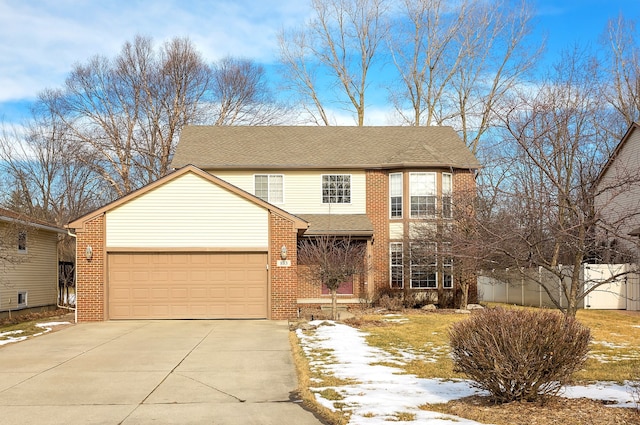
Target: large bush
{"x":519,"y":354}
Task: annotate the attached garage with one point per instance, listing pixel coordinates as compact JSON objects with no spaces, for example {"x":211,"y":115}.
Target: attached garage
{"x":196,"y":285}
{"x":189,"y":246}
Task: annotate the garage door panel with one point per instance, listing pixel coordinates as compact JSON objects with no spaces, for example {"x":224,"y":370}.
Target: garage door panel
{"x":138,"y":259}
{"x":137,"y":294}
{"x":198,"y":276}
{"x":187,"y":285}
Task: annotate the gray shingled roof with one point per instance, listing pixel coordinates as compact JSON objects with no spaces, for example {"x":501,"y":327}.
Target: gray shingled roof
{"x":217,"y":147}
{"x":337,"y":224}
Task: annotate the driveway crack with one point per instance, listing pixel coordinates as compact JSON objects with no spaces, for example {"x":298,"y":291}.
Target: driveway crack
{"x":213,"y":388}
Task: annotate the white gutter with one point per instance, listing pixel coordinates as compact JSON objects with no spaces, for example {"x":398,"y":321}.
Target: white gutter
{"x":75,"y":275}
{"x":31,"y":224}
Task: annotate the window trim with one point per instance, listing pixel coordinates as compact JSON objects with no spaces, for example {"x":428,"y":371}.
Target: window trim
{"x":392,"y":265}
{"x":22,"y":294}
{"x":22,"y":245}
{"x":428,"y":195}
{"x":401,"y":196}
{"x":431,"y":268}
{"x":322,"y":196}
{"x":269,"y":176}
{"x":447,"y":264}
{"x":448,"y":193}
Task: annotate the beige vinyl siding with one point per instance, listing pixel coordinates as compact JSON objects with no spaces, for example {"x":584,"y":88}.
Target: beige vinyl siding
{"x":617,"y":204}
{"x":188,"y":212}
{"x":36,"y":271}
{"x":396,"y":231}
{"x":303,"y":190}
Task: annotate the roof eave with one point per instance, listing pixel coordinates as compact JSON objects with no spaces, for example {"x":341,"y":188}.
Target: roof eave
{"x":386,"y":166}
{"x":32,"y":224}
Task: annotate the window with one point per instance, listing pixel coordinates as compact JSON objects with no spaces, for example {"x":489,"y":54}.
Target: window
{"x":22,"y":299}
{"x":395,"y":195}
{"x":424,"y":265}
{"x":447,"y":189}
{"x":395,"y":264}
{"x":422,"y":188}
{"x":447,"y":265}
{"x":336,"y":189}
{"x":22,"y":241}
{"x":269,"y":187}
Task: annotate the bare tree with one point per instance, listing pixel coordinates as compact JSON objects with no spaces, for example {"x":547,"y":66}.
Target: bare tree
{"x":456,"y":61}
{"x":331,"y":261}
{"x":452,"y":249}
{"x":46,"y":179}
{"x":552,"y":218}
{"x":340,"y":44}
{"x":621,"y":69}
{"x":242,"y":96}
{"x":124,"y":115}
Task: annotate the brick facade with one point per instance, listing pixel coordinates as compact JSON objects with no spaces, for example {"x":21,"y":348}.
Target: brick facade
{"x":378,"y":213}
{"x":284,"y":279}
{"x":90,"y":278}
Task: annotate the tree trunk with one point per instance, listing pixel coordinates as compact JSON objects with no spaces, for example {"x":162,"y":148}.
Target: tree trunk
{"x":464,"y":301}
{"x":334,"y":304}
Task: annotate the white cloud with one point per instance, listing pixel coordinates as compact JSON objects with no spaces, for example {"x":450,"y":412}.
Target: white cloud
{"x":41,"y":40}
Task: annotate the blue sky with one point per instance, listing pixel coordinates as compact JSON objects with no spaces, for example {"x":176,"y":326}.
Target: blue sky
{"x":40,"y":40}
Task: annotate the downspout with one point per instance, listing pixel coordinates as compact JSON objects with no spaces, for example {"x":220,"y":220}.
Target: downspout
{"x":75,"y":275}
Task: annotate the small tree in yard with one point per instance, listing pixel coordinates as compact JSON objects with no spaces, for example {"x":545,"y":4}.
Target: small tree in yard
{"x":330,"y":261}
{"x":519,"y":355}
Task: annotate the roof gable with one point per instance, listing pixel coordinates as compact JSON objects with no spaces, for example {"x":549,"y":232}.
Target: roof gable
{"x":79,"y":223}
{"x":616,"y":152}
{"x":254,"y":147}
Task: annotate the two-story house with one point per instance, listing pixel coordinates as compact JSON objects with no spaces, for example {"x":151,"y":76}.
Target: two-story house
{"x":218,"y":236}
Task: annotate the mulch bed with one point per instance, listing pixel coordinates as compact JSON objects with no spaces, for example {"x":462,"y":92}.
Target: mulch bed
{"x":554,"y":410}
{"x":62,"y":314}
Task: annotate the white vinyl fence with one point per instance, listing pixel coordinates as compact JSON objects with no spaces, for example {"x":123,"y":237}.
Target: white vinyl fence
{"x":620,"y":292}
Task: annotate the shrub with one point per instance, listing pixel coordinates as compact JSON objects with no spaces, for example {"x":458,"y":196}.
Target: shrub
{"x":519,"y":354}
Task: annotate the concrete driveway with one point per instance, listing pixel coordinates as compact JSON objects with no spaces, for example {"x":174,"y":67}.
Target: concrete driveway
{"x":143,"y":372}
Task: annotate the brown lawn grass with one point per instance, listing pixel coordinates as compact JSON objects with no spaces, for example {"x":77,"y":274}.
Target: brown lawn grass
{"x":27,"y":323}
{"x":614,"y":356}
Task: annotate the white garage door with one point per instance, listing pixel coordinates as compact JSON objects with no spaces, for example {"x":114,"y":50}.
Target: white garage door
{"x":221,"y":285}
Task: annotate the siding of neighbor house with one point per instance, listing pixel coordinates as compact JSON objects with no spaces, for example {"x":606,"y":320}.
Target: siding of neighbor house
{"x":183,"y":209}
{"x":303,"y":189}
{"x":37,"y":274}
{"x":620,"y":203}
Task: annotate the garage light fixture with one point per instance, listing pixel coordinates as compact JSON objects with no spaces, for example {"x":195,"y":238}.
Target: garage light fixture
{"x":88,"y":253}
{"x":283,"y":252}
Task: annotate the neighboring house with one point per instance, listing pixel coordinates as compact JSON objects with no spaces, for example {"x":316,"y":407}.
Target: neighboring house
{"x":618,"y":200}
{"x":28,"y":263}
{"x":217,"y":238}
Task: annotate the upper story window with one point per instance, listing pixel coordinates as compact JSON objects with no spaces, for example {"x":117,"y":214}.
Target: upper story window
{"x":336,"y":189}
{"x":269,"y":187}
{"x":22,"y":241}
{"x":447,"y":189}
{"x":395,"y":195}
{"x":422,"y":191}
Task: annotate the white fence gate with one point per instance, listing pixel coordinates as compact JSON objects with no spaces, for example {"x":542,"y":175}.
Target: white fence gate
{"x":610,"y":295}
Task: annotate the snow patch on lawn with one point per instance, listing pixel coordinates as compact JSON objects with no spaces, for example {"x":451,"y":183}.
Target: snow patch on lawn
{"x":8,"y":337}
{"x":379,"y":394}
